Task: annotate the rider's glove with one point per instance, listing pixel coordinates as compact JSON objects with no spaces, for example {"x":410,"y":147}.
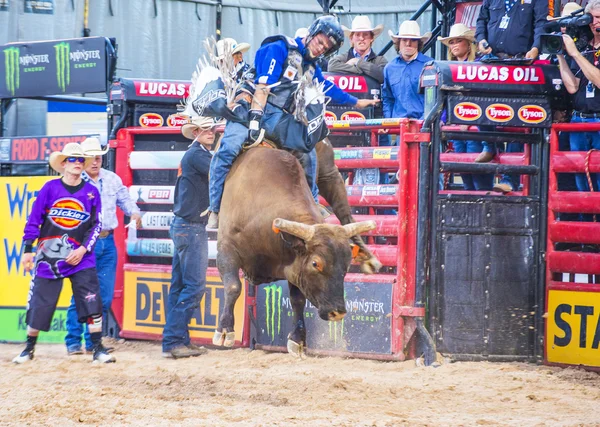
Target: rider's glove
{"x":254,"y":117}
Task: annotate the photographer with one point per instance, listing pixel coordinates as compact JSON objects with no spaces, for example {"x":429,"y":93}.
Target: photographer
{"x":583,"y":81}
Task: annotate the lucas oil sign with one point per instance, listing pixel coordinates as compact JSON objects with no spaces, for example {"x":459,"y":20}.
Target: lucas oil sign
{"x":145,"y":300}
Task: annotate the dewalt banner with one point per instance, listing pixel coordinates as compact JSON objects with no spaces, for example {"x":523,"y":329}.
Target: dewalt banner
{"x":16,"y":199}
{"x":365,"y":329}
{"x":53,"y":68}
{"x":146,"y":294}
{"x":573,"y":328}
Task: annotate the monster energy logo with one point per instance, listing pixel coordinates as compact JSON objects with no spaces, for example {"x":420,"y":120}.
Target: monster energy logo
{"x":11,"y":67}
{"x":63,"y":65}
{"x":333,"y":331}
{"x":273,"y":294}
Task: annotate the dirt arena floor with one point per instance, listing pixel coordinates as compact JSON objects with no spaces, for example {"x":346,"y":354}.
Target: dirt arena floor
{"x":254,"y":388}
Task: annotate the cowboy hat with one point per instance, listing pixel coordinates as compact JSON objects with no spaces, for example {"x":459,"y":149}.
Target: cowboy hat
{"x":410,"y":30}
{"x":301,"y":32}
{"x":568,"y":9}
{"x":188,"y":129}
{"x":458,"y":31}
{"x":233,"y":46}
{"x":363,"y":23}
{"x":91,"y":147}
{"x":72,"y":149}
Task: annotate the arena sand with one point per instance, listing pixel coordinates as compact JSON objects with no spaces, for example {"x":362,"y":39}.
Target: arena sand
{"x":253,"y":388}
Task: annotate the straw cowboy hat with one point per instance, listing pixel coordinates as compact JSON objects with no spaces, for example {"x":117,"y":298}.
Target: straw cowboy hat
{"x":410,"y":30}
{"x":188,"y":129}
{"x":458,"y":31}
{"x":91,"y":147}
{"x":363,"y":23}
{"x":72,"y":149}
{"x":568,"y":9}
{"x":301,"y":32}
{"x":234,"y":46}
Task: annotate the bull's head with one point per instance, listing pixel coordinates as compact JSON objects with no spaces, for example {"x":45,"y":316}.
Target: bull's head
{"x":323,"y":257}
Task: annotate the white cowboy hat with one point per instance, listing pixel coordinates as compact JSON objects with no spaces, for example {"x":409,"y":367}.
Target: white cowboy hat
{"x":301,"y":32}
{"x":458,"y":31}
{"x":198,"y":122}
{"x":363,"y":23}
{"x":410,"y":30}
{"x":72,"y":149}
{"x":91,"y":147}
{"x":234,"y":47}
{"x":568,"y":9}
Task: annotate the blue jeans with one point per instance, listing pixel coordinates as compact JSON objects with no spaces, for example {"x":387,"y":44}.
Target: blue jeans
{"x":188,"y":280}
{"x":231,"y":147}
{"x":513,"y":180}
{"x":106,"y":267}
{"x":585,"y":141}
{"x":475,"y":181}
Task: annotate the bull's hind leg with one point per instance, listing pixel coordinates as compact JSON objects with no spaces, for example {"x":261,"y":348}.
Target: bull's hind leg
{"x":297,"y":338}
{"x":229,"y":270}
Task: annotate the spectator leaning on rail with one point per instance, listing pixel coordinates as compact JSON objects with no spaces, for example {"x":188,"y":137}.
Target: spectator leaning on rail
{"x":66,"y":220}
{"x":113,"y":193}
{"x":360,"y":58}
{"x":583,"y":82}
{"x":400,"y":92}
{"x":280,"y":63}
{"x":188,"y":231}
{"x":461,"y":47}
{"x":237,"y":52}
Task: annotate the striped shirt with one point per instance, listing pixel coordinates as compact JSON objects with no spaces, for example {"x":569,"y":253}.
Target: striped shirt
{"x":113,"y":193}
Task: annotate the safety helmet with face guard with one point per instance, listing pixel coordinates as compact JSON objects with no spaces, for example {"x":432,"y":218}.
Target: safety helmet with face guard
{"x":329,"y":26}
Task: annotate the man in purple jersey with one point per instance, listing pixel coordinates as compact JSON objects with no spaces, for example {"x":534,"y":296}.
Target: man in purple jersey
{"x":66,"y":220}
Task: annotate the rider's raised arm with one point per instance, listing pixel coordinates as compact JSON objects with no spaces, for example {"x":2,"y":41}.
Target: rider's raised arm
{"x":337,"y":95}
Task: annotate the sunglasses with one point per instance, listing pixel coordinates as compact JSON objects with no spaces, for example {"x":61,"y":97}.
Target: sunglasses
{"x":76,"y":159}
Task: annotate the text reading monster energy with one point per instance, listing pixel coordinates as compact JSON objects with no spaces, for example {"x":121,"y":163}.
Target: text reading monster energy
{"x":53,"y":68}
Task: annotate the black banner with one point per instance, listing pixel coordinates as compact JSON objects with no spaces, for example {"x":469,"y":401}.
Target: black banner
{"x":365,"y":329}
{"x":39,"y":6}
{"x":54,"y":67}
{"x":34,"y":149}
{"x":4,"y":5}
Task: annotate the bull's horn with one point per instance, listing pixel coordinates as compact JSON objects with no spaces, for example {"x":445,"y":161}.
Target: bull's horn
{"x":356,"y":228}
{"x":298,"y":229}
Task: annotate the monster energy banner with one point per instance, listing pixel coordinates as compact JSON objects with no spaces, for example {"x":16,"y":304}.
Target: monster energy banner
{"x":53,"y":68}
{"x":39,"y":6}
{"x":365,"y":329}
{"x":4,"y":4}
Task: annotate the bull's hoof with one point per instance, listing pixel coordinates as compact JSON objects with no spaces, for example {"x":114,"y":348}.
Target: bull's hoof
{"x":229,"y":339}
{"x":296,"y":349}
{"x":371,"y":265}
{"x":219,"y":338}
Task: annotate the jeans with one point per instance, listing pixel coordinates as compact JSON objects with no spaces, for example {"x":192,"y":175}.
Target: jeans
{"x":106,"y":267}
{"x":231,"y":147}
{"x":513,"y":180}
{"x":476,"y":181}
{"x":188,"y":280}
{"x":584,"y":141}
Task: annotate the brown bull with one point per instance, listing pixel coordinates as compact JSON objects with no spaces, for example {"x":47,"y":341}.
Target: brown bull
{"x":270,"y":227}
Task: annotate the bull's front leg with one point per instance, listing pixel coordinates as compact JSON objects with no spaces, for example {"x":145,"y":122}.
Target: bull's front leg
{"x":297,"y":338}
{"x":229,"y":271}
{"x":332,"y":188}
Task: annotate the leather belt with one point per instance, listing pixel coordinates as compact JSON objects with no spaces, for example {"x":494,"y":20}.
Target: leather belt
{"x":586,"y":115}
{"x":105,"y":233}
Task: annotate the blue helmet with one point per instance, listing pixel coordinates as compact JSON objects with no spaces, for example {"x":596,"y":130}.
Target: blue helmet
{"x":330,"y":27}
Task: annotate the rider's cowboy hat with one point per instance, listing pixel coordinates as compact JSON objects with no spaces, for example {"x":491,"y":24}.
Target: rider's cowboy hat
{"x":568,"y":9}
{"x":363,"y":23}
{"x":410,"y":30}
{"x":233,"y":46}
{"x":188,"y":129}
{"x":72,"y":149}
{"x":91,"y":147}
{"x":458,"y":31}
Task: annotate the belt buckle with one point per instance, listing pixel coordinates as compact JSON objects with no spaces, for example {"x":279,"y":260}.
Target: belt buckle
{"x":104,"y":234}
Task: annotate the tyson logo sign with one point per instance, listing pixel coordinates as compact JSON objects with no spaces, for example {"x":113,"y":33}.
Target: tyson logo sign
{"x":330,"y":117}
{"x":151,"y":120}
{"x":175,"y":120}
{"x":159,"y":194}
{"x":350,"y":116}
{"x":532,"y":114}
{"x":501,"y":113}
{"x":467,"y":111}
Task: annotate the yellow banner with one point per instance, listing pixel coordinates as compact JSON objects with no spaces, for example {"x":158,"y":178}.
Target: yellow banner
{"x":145,"y":297}
{"x":16,"y":199}
{"x":573,"y":328}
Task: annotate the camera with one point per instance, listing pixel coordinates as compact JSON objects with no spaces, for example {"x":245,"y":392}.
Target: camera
{"x":575,"y":26}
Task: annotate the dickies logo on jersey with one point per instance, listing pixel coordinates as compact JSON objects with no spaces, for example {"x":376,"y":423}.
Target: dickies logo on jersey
{"x":532,"y":114}
{"x":499,"y":113}
{"x":467,"y":111}
{"x":151,"y":120}
{"x":68,"y":213}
